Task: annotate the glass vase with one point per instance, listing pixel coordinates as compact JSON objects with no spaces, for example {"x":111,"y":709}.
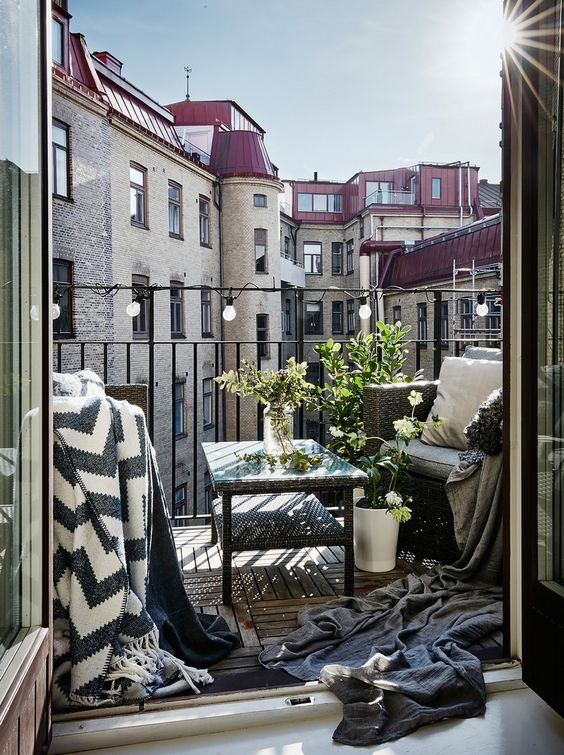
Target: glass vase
{"x":278,"y":430}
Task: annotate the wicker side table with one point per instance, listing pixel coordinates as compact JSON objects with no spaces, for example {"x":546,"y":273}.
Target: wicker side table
{"x":262,"y":508}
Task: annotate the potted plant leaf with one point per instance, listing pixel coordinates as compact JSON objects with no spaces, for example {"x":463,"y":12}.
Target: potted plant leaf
{"x":379,"y":513}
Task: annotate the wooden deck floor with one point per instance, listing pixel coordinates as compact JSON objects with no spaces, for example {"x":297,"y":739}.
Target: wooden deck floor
{"x":269,"y":588}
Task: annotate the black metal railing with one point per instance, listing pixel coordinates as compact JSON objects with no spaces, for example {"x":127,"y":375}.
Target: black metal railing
{"x":175,"y":415}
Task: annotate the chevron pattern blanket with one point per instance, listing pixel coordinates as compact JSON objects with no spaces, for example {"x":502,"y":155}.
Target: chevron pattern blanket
{"x":106,"y":646}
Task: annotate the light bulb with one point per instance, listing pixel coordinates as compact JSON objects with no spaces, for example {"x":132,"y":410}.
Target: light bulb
{"x":55,"y":311}
{"x":34,"y":312}
{"x":364,"y":310}
{"x":481,"y":306}
{"x":229,"y":312}
{"x":133,"y":308}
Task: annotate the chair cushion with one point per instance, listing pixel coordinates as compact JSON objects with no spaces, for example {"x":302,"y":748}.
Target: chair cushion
{"x":483,"y":352}
{"x":430,"y":461}
{"x":463,"y":385}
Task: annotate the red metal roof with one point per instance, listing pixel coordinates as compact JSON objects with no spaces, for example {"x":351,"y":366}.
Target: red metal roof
{"x":432,"y":260}
{"x":240,"y":153}
{"x":213,"y":113}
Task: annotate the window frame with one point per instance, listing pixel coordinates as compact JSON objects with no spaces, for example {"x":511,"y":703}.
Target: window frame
{"x":208,"y":399}
{"x":263,"y":345}
{"x":258,"y":202}
{"x":66,"y":300}
{"x":184,"y":489}
{"x":140,"y":189}
{"x":177,"y":303}
{"x":435,"y":182}
{"x":337,"y":315}
{"x":55,"y":149}
{"x":422,"y":324}
{"x":261,"y":242}
{"x":311,"y":329}
{"x":444,"y":325}
{"x":204,"y":220}
{"x":337,"y":248}
{"x":396,"y":313}
{"x":287,"y":327}
{"x":351,"y":317}
{"x":61,"y":28}
{"x":139,"y":333}
{"x":312,"y":255}
{"x":206,"y":307}
{"x":180,"y":403}
{"x":350,"y":256}
{"x":177,"y":204}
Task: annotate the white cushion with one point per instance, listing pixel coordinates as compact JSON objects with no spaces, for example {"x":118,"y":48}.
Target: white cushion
{"x":463,"y":385}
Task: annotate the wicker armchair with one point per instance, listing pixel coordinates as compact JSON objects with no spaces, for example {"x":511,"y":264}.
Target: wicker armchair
{"x":428,"y":537}
{"x":137,"y":394}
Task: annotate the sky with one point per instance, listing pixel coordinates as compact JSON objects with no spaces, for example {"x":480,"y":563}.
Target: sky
{"x":339,"y":86}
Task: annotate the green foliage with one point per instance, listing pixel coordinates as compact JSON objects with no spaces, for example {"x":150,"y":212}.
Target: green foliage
{"x":279,"y":388}
{"x":365,"y":359}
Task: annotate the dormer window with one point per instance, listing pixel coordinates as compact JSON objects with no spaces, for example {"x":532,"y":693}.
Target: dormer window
{"x":58,"y":41}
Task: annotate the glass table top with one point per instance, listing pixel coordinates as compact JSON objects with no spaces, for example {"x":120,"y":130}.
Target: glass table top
{"x":225,"y":467}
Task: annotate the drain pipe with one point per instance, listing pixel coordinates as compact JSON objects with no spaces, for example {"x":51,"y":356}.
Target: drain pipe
{"x":468,"y":180}
{"x":460,"y":191}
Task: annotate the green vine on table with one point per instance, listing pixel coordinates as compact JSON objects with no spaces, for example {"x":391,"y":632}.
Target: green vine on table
{"x":294,"y":460}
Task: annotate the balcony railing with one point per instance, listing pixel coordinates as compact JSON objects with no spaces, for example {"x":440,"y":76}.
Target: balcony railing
{"x":186,"y":406}
{"x":291,"y":259}
{"x":390,"y":197}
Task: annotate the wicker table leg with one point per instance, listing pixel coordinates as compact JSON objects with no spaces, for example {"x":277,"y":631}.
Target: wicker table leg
{"x":349,"y":553}
{"x":227,"y":548}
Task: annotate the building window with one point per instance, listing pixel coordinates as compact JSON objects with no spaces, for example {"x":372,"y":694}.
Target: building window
{"x":57,"y":42}
{"x":493,"y":318}
{"x":313,"y":374}
{"x":350,"y":316}
{"x":287,"y":317}
{"x":320,"y":202}
{"x":361,"y":228}
{"x":435,"y":188}
{"x":312,"y":257}
{"x":396,"y":314}
{"x":138,"y":195}
{"x":176,"y":310}
{"x":466,"y":315}
{"x":337,"y":315}
{"x":208,"y":492}
{"x":263,"y":336}
{"x":179,"y":409}
{"x":336,"y":258}
{"x":62,"y":273}
{"x":422,"y":325}
{"x":140,"y":323}
{"x":260,"y":250}
{"x":174,"y":210}
{"x":259,"y":200}
{"x":206,"y":308}
{"x":444,"y":325}
{"x":379,"y":192}
{"x":207,"y":402}
{"x":350,"y":256}
{"x":287,"y":246}
{"x":204,"y":204}
{"x":180,"y":501}
{"x":61,"y":164}
{"x":313,"y":430}
{"x":313,"y":320}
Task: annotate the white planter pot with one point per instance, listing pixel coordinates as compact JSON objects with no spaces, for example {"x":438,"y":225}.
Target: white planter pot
{"x":375,"y":539}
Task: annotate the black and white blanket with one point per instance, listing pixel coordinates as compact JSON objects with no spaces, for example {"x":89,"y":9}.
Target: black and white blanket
{"x":106,"y":645}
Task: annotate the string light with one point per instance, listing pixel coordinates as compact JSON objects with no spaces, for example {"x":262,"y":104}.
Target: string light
{"x":134,"y":307}
{"x":364,"y":310}
{"x":482,"y":308}
{"x":229,"y":313}
{"x":55,"y":308}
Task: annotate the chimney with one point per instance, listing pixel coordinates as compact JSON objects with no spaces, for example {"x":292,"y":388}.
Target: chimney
{"x":315,"y":175}
{"x":109,"y":60}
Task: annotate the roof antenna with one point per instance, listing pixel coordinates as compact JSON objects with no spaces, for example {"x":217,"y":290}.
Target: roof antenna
{"x":188,"y":72}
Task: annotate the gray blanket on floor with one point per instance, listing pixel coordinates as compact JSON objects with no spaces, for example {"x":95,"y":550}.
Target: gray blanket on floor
{"x":397,"y":657}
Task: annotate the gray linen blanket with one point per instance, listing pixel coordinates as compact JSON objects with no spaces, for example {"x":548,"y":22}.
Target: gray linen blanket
{"x":397,"y":657}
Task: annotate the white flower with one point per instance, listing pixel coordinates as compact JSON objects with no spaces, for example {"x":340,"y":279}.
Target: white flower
{"x":415,"y":398}
{"x":335,"y":432}
{"x":393,"y":498}
{"x":405,"y":427}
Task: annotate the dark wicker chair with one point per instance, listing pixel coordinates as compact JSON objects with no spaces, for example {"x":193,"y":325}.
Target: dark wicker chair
{"x":428,"y":537}
{"x":137,"y":394}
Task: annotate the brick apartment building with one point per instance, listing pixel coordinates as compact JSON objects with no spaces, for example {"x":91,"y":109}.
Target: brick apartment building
{"x":185,"y":197}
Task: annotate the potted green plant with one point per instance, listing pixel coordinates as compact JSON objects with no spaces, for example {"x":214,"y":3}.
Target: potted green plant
{"x":384,"y":505}
{"x":280,"y":391}
{"x":366,"y":358}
